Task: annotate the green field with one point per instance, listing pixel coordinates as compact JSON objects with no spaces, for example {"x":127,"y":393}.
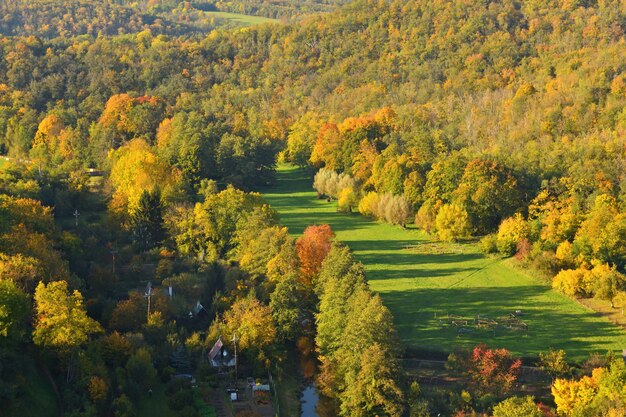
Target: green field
{"x":241,"y":19}
{"x":422,"y":281}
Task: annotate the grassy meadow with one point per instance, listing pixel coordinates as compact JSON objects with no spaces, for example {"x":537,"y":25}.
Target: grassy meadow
{"x":241,"y":19}
{"x":423,"y":281}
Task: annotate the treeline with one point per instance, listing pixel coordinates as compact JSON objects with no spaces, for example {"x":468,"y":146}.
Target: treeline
{"x":279,"y":10}
{"x":63,"y":18}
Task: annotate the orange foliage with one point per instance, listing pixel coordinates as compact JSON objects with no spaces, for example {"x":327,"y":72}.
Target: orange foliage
{"x":312,"y":247}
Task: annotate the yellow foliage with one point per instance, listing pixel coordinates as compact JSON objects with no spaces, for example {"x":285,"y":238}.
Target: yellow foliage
{"x":136,"y":168}
{"x":574,"y":282}
{"x":452,"y":223}
{"x":573,"y":395}
{"x":368,"y":204}
{"x":512,"y":231}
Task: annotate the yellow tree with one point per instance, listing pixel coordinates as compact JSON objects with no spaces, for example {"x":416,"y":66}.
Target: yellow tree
{"x":135,"y":168}
{"x":572,"y":395}
{"x":61,"y":322}
{"x":452,"y":223}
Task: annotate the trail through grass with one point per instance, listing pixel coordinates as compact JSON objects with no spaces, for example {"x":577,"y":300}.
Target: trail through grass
{"x":422,"y":281}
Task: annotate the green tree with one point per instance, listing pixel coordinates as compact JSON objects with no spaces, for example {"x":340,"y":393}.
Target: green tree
{"x":14,"y":312}
{"x":489,"y":192}
{"x":517,"y":407}
{"x":140,"y":369}
{"x":288,"y":305}
{"x":147,"y":220}
{"x":376,"y":390}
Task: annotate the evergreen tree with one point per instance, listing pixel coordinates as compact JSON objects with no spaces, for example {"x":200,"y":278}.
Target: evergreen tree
{"x":147,"y":220}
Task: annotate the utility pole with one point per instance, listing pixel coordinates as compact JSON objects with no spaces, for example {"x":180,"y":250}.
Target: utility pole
{"x":235,"y":343}
{"x":76,"y":214}
{"x":148,"y":294}
{"x":113,"y":251}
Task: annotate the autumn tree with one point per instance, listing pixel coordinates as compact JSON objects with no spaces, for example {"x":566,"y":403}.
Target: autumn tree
{"x":489,"y":192}
{"x":135,"y":169}
{"x":250,"y":321}
{"x":61,"y":323}
{"x":288,"y":305}
{"x":554,"y":363}
{"x":517,"y":407}
{"x":492,"y":371}
{"x":312,"y":247}
{"x":375,"y":390}
{"x":510,"y":233}
{"x":301,"y":138}
{"x":452,"y":223}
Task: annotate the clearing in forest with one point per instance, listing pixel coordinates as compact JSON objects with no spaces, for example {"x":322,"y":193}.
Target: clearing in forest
{"x":241,"y":19}
{"x":436,"y":291}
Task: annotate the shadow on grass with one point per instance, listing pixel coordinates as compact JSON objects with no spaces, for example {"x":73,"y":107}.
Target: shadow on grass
{"x":419,"y":316}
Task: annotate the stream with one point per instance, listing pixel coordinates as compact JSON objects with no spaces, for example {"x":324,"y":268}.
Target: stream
{"x":309,"y":401}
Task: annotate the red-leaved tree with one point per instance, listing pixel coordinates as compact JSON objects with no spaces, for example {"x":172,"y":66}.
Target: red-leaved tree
{"x":493,"y":371}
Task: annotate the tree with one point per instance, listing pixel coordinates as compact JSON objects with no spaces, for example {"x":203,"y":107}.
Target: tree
{"x":14,"y":311}
{"x":288,"y":304}
{"x":369,"y":203}
{"x":489,"y":192}
{"x":607,"y":282}
{"x":517,"y":407}
{"x":510,"y":233}
{"x":376,"y":390}
{"x":301,"y":138}
{"x":147,"y":220}
{"x":492,"y":371}
{"x":24,"y":271}
{"x":554,"y":363}
{"x":140,"y":369}
{"x":397,"y":210}
{"x":135,"y":169}
{"x":347,"y":200}
{"x":251,"y":321}
{"x":312,"y":247}
{"x":61,"y":323}
{"x":573,"y":395}
{"x":261,"y":247}
{"x":452,"y":223}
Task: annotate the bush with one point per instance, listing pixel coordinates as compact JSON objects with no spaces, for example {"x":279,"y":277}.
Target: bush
{"x":488,"y":244}
{"x":425,"y":217}
{"x":512,"y":231}
{"x":573,"y":282}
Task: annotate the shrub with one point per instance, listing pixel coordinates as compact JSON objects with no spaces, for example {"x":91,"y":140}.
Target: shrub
{"x":488,"y":244}
{"x":511,"y":231}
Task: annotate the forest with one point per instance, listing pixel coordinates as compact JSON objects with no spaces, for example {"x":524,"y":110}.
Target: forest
{"x":139,"y":141}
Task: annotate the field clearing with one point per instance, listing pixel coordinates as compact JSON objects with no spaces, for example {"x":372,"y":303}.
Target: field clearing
{"x":242,"y":19}
{"x":422,"y":282}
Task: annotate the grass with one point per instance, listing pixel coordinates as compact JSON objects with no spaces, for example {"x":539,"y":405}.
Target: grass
{"x":38,"y":398}
{"x":241,"y":19}
{"x":421,"y":280}
{"x":155,"y":405}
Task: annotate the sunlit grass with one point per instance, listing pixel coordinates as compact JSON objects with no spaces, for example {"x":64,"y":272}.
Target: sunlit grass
{"x":422,"y":281}
{"x":241,"y":19}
